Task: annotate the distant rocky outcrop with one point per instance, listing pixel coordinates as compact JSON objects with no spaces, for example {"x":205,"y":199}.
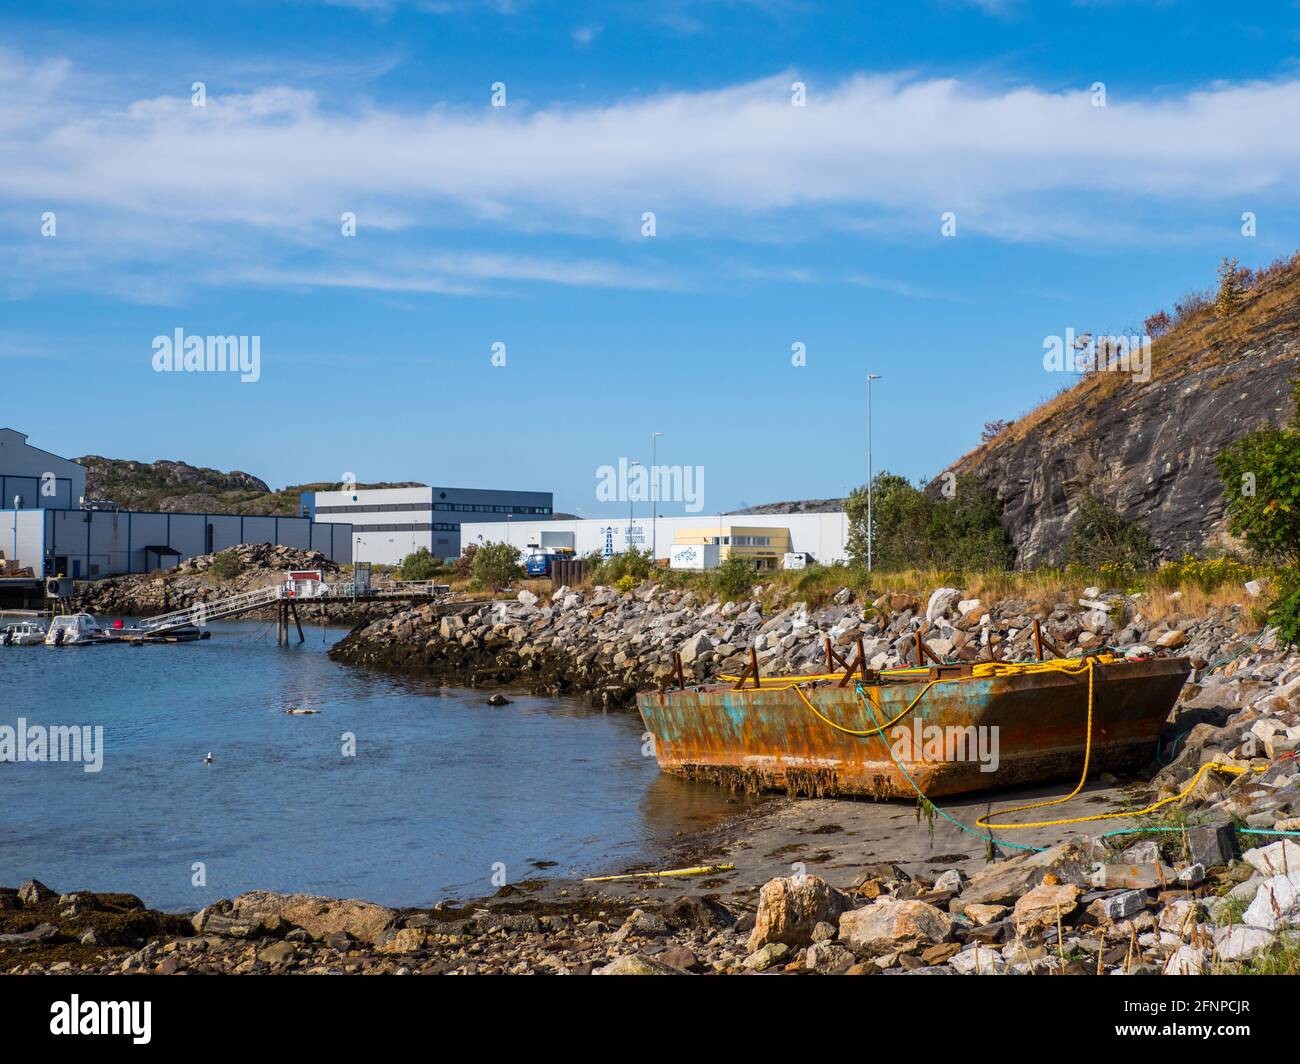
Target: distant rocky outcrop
{"x":1148,"y":449}
{"x":178,"y":487}
{"x":800,"y":506}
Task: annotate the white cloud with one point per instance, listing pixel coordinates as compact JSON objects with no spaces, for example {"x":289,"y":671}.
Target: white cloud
{"x":1019,"y":163}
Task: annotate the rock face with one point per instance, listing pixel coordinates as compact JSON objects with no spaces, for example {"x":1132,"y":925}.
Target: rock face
{"x":177,"y":486}
{"x":1147,"y":448}
{"x":790,"y":908}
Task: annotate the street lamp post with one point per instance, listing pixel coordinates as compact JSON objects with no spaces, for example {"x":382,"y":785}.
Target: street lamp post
{"x":631,"y":502}
{"x":654,"y":499}
{"x":871,"y":531}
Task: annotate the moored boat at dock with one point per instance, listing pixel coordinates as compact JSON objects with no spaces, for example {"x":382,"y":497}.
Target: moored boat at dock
{"x":22,"y":634}
{"x":74,"y":629}
{"x":940,"y":730}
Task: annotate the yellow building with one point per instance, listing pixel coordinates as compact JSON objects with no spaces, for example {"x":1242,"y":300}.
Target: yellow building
{"x":765,"y":546}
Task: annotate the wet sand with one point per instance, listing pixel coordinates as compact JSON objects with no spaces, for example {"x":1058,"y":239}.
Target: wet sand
{"x":836,"y":838}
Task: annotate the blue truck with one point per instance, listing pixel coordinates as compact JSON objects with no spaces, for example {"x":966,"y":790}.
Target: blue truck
{"x":539,"y":560}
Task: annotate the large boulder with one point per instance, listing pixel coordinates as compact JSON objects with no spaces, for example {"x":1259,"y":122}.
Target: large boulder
{"x":316,"y":915}
{"x":1008,"y":880}
{"x":941,"y":601}
{"x":34,"y":893}
{"x":791,"y":906}
{"x":892,"y":926}
{"x":1041,"y":907}
{"x":1282,"y":857}
{"x":1276,"y":904}
{"x":635,"y":964}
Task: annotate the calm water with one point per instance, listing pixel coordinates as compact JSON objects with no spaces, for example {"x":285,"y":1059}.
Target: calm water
{"x":442,"y":786}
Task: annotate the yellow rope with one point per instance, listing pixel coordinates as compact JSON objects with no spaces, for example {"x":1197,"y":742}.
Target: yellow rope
{"x":988,"y":669}
{"x":984,"y":821}
{"x":870,"y":731}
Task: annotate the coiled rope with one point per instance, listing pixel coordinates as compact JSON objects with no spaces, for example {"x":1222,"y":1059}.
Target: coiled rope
{"x":985,"y":670}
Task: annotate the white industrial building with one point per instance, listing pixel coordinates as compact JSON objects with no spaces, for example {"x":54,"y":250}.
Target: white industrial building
{"x":46,"y":529}
{"x":34,"y":479}
{"x":387,"y":524}
{"x":823,"y":536}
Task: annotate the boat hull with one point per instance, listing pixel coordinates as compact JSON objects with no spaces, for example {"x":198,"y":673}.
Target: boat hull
{"x":964,"y":735}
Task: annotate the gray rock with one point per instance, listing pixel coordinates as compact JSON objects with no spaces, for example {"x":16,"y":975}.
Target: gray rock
{"x":635,"y":964}
{"x":34,"y":893}
{"x":767,"y":957}
{"x":1212,"y":845}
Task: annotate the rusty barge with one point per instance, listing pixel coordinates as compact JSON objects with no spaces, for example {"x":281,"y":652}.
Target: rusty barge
{"x":940,"y":729}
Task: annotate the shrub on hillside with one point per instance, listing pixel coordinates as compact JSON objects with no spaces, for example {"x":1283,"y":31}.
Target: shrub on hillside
{"x":1102,"y":536}
{"x":1206,"y":573}
{"x":1232,"y":282}
{"x":226,"y":566}
{"x":1261,"y":484}
{"x":1158,"y":324}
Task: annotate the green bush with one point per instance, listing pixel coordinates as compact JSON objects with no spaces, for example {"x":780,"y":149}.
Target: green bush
{"x":624,"y":584}
{"x":634,"y":563}
{"x":734,"y":577}
{"x":1285,"y":608}
{"x":1102,"y":536}
{"x":495,"y":565}
{"x":226,"y":566}
{"x":1261,"y":484}
{"x":420,"y":565}
{"x":918,"y":529}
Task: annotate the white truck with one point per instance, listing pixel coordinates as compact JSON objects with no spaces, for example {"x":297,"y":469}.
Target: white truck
{"x":694,"y":556}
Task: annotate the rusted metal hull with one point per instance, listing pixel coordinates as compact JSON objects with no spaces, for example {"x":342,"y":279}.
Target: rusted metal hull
{"x":990,"y":731}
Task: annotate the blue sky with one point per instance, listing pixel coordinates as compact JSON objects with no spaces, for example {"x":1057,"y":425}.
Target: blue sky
{"x":521,"y":224}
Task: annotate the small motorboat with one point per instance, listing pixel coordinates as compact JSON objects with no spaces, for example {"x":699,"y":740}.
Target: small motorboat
{"x":22,"y":634}
{"x":74,"y":629}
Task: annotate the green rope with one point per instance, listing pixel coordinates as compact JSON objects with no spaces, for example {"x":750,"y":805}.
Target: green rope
{"x":921,"y":794}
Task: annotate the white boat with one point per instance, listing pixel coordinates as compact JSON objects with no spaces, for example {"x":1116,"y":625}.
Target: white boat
{"x":72,"y":630}
{"x":22,"y":634}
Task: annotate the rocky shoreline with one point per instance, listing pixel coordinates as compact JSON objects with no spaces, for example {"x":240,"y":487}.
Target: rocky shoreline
{"x":607,"y":646}
{"x":1073,"y":908}
{"x":1213,"y":887}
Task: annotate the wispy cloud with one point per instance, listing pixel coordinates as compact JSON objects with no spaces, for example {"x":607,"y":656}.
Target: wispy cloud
{"x":279,"y":164}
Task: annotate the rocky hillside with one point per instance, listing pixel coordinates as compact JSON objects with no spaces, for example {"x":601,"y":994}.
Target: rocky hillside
{"x":178,"y":487}
{"x":798,"y":506}
{"x":1148,"y":448}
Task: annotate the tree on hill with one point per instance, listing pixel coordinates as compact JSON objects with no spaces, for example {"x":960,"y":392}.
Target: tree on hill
{"x":916,"y":528}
